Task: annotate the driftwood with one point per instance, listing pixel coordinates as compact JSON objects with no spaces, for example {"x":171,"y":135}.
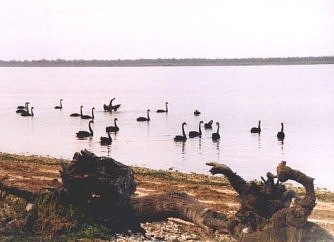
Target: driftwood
{"x":104,"y":189}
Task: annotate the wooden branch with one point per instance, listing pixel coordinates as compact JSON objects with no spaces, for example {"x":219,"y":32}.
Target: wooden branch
{"x":179,"y":205}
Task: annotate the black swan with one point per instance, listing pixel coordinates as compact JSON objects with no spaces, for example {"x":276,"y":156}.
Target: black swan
{"x":77,"y":114}
{"x":256,"y":130}
{"x":208,"y":125}
{"x":113,"y":107}
{"x":60,"y":106}
{"x":113,"y":128}
{"x":106,"y":140}
{"x":183,"y":137}
{"x":107,"y":108}
{"x":85,"y":134}
{"x":88,"y":116}
{"x":193,"y":134}
{"x":280,"y":134}
{"x":163,"y":110}
{"x":23,"y":107}
{"x":141,"y":119}
{"x":216,"y":136}
{"x":25,"y":110}
{"x":27,"y":114}
{"x":196,"y":113}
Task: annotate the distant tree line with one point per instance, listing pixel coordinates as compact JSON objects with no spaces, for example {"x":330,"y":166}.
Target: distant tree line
{"x":170,"y":62}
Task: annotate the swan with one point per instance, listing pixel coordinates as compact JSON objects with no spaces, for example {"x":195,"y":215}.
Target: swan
{"x":280,"y":134}
{"x":85,"y":134}
{"x":216,"y":136}
{"x":106,"y":140}
{"x":196,"y":113}
{"x":163,"y":110}
{"x":113,"y":128}
{"x":77,"y":114}
{"x":208,"y":125}
{"x":23,"y":107}
{"x":113,"y":107}
{"x":88,"y":116}
{"x":60,"y":106}
{"x":25,"y":110}
{"x":27,"y":114}
{"x":141,"y":119}
{"x":183,"y":137}
{"x":256,"y":130}
{"x":107,"y":108}
{"x":193,"y":134}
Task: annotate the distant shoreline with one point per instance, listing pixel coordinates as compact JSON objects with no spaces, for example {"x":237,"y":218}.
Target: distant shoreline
{"x":323,"y":60}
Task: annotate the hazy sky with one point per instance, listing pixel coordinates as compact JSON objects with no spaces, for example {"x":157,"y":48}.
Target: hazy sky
{"x":130,"y":29}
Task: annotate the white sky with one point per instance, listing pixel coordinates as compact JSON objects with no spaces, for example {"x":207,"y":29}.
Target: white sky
{"x":131,"y":29}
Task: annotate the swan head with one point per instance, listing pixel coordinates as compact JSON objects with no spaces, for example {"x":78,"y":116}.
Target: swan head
{"x":148,"y":110}
{"x":217,"y":123}
{"x":91,"y":121}
{"x":93,"y":108}
{"x":201,"y":122}
{"x":81,"y":106}
{"x":184,"y":123}
{"x":166,"y":102}
{"x":115,"y":119}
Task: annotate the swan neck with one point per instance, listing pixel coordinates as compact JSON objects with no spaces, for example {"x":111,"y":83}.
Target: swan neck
{"x":90,"y":128}
{"x":81,"y":111}
{"x":282,"y":127}
{"x":148,"y":115}
{"x":92,"y":113}
{"x":32,"y":113}
{"x":218,"y":128}
{"x":166,"y":107}
{"x":199,"y":128}
{"x":61,"y":105}
{"x":183,"y":132}
{"x":259,"y":124}
{"x":115,"y":123}
{"x":109,"y":136}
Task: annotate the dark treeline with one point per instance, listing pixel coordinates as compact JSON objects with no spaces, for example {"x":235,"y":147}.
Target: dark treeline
{"x":171,"y":62}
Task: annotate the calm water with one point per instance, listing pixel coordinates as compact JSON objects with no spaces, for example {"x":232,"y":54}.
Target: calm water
{"x":300,"y":96}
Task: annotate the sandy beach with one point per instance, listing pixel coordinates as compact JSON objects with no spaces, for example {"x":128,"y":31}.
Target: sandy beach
{"x":34,"y":173}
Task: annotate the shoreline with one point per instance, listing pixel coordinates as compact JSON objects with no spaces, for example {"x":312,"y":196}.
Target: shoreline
{"x":165,"y":62}
{"x":35,"y":172}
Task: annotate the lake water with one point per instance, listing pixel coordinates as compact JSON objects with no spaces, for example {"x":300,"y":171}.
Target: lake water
{"x":300,"y":96}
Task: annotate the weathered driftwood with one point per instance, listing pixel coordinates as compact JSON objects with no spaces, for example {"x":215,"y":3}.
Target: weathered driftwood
{"x":104,"y":188}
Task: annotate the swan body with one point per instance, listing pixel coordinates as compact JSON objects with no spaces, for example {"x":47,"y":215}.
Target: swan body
{"x":61,"y":105}
{"x":142,"y":119}
{"x":258,"y":129}
{"x":216,"y":136}
{"x":113,"y":128}
{"x":163,"y":110}
{"x":88,"y":116}
{"x":280,"y":134}
{"x":208,"y":125}
{"x":85,"y":134}
{"x":77,"y":114}
{"x":193,"y":134}
{"x":183,"y":137}
{"x":106,"y":140}
{"x":196,"y":113}
{"x":27,"y":114}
